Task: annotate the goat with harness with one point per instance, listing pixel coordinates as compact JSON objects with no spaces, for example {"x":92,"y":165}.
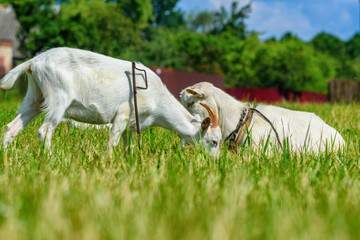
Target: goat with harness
{"x":303,"y":131}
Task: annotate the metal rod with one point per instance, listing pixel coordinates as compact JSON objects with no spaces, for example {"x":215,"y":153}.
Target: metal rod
{"x":135,"y":104}
{"x":135,"y":98}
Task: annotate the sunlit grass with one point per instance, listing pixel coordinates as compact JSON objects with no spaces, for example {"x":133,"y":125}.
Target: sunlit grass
{"x":165,"y":192}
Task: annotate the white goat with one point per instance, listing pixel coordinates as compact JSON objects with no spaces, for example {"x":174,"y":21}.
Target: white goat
{"x":93,"y":88}
{"x":303,"y":131}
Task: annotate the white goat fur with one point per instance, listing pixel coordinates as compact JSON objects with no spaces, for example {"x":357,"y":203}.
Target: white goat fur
{"x":304,"y":131}
{"x":93,"y":88}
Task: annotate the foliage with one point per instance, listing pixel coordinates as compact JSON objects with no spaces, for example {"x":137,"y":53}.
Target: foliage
{"x":156,"y":32}
{"x":98,"y":26}
{"x":329,"y":43}
{"x":166,"y":14}
{"x":345,"y":52}
{"x":202,"y":21}
{"x":291,"y":64}
{"x":238,"y":58}
{"x":353,"y":47}
{"x":232,"y":22}
{"x":104,"y":27}
{"x":165,"y":192}
{"x":161,"y":50}
{"x":201,"y":51}
{"x":38,"y":25}
{"x":217,"y":22}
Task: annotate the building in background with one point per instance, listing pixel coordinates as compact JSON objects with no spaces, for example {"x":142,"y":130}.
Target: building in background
{"x":9,"y":44}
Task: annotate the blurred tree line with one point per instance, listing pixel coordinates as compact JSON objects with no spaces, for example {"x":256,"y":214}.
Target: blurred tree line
{"x":157,"y":33}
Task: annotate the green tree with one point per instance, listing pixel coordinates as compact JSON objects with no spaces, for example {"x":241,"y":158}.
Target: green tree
{"x":160,"y":51}
{"x":328,"y":43}
{"x":232,"y":22}
{"x":105,"y":27}
{"x":289,"y":36}
{"x":38,"y":25}
{"x":237,"y":59}
{"x":333,"y":46}
{"x":353,"y":47}
{"x":97,"y":26}
{"x":139,"y":11}
{"x":166,"y":14}
{"x":202,"y":21}
{"x":221,"y":21}
{"x":292,"y":65}
{"x":201,"y":51}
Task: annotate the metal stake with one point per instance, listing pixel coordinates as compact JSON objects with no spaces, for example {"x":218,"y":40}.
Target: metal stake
{"x":135,"y":99}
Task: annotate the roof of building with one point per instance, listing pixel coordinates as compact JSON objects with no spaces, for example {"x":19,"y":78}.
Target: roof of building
{"x":9,"y":27}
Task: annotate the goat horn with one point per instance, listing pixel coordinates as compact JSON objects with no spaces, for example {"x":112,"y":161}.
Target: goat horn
{"x":214,"y":119}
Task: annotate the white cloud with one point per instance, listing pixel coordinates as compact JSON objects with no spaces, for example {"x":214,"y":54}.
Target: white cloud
{"x":277,"y":18}
{"x":305,"y":18}
{"x":216,"y":4}
{"x":345,"y":16}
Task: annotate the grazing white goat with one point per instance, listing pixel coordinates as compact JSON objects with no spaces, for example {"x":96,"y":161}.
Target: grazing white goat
{"x":93,"y":88}
{"x":303,"y":131}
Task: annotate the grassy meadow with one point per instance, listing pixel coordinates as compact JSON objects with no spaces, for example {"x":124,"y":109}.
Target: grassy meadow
{"x":165,"y":192}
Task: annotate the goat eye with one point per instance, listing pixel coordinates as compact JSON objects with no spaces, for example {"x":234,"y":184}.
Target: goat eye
{"x":214,"y":142}
{"x":190,"y":104}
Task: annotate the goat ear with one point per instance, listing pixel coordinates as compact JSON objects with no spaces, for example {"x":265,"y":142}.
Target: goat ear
{"x":205,"y":124}
{"x":182,"y":96}
{"x":196,"y":92}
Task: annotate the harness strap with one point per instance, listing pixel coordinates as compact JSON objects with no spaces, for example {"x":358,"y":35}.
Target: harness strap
{"x":271,"y":125}
{"x":236,"y":137}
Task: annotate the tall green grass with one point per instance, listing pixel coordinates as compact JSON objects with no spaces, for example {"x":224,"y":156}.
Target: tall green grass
{"x":165,"y":192}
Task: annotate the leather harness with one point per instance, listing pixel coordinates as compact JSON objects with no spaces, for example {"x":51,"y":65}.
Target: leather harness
{"x":237,"y":136}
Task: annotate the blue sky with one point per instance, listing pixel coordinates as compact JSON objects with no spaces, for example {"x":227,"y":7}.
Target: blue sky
{"x":304,"y":18}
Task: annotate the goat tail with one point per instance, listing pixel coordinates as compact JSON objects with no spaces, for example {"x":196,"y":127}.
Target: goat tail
{"x":11,"y":77}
